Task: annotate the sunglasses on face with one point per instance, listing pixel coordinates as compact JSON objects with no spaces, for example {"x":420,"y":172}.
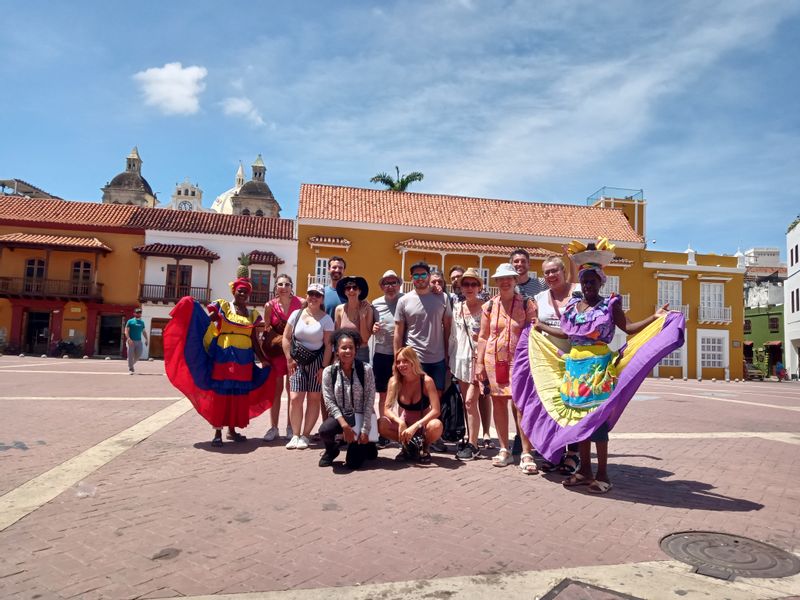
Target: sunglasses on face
{"x":137,"y":312}
{"x":418,"y":276}
{"x":469,"y":284}
{"x":314,"y":295}
{"x":347,"y":288}
{"x":388,"y":283}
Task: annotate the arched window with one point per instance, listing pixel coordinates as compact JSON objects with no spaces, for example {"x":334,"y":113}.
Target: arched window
{"x":179,"y":192}
{"x":259,"y":213}
{"x":246,"y":212}
{"x":81,"y":277}
{"x":34,"y":275}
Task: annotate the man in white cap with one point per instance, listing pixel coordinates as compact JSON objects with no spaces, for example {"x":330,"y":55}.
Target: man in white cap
{"x":383,"y":332}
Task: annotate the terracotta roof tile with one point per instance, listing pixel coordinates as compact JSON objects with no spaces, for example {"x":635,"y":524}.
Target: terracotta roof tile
{"x":328,"y":240}
{"x":64,"y":242}
{"x":260,"y":257}
{"x":757,"y":271}
{"x":485,"y":249}
{"x":14,"y":209}
{"x":177,"y":251}
{"x":385,"y":207}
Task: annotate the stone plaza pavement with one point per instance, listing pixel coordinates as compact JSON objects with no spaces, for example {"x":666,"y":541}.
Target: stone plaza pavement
{"x":109,"y":488}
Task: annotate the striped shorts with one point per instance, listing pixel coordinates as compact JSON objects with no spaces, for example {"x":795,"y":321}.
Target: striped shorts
{"x":305,"y":377}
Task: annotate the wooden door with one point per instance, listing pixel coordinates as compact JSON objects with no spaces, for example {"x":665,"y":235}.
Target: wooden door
{"x":157,"y":337}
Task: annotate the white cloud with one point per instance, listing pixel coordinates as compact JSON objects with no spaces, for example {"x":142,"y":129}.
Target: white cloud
{"x":242,"y":107}
{"x":173,"y":89}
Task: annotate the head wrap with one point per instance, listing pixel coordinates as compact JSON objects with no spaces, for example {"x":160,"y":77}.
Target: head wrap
{"x":241,"y":282}
{"x":597,"y":268}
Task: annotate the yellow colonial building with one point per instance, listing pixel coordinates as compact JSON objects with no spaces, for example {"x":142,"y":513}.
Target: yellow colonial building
{"x":68,"y":273}
{"x":376,"y":230}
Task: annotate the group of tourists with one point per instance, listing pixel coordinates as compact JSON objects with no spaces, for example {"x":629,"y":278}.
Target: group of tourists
{"x":538,"y":346}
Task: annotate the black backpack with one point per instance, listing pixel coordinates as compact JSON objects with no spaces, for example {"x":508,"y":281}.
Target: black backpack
{"x":358,"y":368}
{"x":452,"y":414}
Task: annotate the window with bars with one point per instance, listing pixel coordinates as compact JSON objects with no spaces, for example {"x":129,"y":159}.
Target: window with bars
{"x":485,"y":277}
{"x":712,"y":352}
{"x":673,"y":359}
{"x":774,"y":324}
{"x":748,"y":326}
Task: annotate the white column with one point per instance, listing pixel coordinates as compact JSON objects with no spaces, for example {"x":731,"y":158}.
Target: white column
{"x":403,"y":263}
{"x":443,"y":255}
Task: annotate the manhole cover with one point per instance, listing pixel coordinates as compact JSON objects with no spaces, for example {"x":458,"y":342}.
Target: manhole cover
{"x":724,"y":556}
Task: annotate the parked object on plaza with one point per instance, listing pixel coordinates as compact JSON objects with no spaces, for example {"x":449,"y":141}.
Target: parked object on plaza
{"x":751,"y":372}
{"x":579,"y":396}
{"x":211,"y":360}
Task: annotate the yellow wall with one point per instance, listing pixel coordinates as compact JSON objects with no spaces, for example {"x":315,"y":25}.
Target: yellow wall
{"x":373,"y":252}
{"x":118,"y":270}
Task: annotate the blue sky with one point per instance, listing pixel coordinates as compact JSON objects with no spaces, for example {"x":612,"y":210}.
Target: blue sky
{"x":695,"y":102}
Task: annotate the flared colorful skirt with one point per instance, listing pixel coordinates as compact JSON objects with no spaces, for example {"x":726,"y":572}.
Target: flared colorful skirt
{"x":565,"y":398}
{"x":223,"y":384}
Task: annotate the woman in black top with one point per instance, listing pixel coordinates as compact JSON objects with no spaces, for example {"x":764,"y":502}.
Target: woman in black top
{"x":412,"y":407}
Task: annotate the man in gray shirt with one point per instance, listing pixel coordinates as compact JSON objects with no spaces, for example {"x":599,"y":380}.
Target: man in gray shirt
{"x":422,"y":321}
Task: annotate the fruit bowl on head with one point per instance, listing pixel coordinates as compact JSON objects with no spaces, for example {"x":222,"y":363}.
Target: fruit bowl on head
{"x":593,"y":256}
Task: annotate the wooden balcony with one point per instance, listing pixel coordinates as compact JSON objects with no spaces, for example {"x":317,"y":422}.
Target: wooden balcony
{"x":23,"y":287}
{"x":170,"y":294}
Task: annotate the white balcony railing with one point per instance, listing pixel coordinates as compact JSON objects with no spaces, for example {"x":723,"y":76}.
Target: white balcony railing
{"x":714,"y":314}
{"x":682,"y":308}
{"x":313,"y":279}
{"x":626,"y":301}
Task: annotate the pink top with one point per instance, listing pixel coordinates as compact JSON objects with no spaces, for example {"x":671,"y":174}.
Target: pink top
{"x":278,"y":316}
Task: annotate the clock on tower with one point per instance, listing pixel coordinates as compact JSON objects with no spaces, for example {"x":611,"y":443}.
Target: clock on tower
{"x":187,"y":196}
{"x":185,"y":205}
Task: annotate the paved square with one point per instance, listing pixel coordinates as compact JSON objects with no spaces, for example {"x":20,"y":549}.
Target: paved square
{"x":112,"y":490}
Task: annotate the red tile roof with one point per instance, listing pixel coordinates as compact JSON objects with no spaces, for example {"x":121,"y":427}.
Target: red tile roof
{"x":406,"y":209}
{"x":757,"y":272}
{"x":260,"y":257}
{"x":327,"y":240}
{"x":177,"y":251}
{"x":485,"y":249}
{"x":62,"y":242}
{"x":94,"y":215}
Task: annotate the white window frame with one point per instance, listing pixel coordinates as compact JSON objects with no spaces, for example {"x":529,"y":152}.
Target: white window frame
{"x":485,"y":277}
{"x":321,"y":269}
{"x":712,"y":295}
{"x":670,"y":291}
{"x":611,"y":286}
{"x":724,"y":336}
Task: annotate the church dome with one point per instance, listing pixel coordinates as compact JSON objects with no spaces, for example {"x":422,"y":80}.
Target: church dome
{"x":130,"y":181}
{"x":256,"y":188}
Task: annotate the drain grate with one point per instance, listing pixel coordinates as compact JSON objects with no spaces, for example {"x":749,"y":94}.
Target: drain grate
{"x":725,"y":556}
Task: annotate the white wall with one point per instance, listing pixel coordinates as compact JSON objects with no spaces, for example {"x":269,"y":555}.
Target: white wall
{"x":791,"y":320}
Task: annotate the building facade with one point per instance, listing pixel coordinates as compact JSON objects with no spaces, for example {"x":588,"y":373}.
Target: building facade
{"x":376,"y":230}
{"x":763,"y":308}
{"x":791,"y":301}
{"x":253,"y":198}
{"x":129,"y":187}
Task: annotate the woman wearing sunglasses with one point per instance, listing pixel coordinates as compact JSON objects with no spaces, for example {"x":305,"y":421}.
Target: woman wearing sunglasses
{"x":306,"y":344}
{"x":276,"y":315}
{"x":355,"y":313}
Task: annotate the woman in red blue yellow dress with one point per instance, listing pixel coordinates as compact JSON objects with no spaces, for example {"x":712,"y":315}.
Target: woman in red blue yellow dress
{"x":210,"y":358}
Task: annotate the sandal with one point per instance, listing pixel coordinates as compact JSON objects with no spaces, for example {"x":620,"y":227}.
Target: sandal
{"x":527,"y":464}
{"x":576,"y":479}
{"x":488,"y":443}
{"x":549,"y":467}
{"x":599,"y":487}
{"x":217,"y":441}
{"x":236,"y":436}
{"x":571,"y":467}
{"x":503,"y":458}
{"x":425,"y":458}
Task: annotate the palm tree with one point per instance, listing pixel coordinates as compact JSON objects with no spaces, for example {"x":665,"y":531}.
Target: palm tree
{"x":400,"y":183}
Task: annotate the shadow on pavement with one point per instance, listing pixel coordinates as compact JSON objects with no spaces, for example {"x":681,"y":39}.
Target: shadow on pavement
{"x":251,"y":445}
{"x":646,"y":485}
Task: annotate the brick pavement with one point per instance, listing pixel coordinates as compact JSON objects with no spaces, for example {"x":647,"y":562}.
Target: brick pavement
{"x":171,"y":516}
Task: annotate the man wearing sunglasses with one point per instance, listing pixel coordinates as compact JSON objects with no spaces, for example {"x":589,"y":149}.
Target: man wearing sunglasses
{"x":422,"y":321}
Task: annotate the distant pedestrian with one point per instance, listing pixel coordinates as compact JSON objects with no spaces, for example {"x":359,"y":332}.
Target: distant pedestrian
{"x":134,"y":332}
{"x":336,"y":268}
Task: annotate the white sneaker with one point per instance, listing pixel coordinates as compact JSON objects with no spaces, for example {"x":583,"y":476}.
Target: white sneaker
{"x":302,"y":442}
{"x":289,"y":432}
{"x":271,"y":434}
{"x":293,"y":443}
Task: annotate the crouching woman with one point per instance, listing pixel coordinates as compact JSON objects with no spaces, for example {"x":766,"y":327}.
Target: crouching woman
{"x":348,"y":390}
{"x":412,"y":408}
